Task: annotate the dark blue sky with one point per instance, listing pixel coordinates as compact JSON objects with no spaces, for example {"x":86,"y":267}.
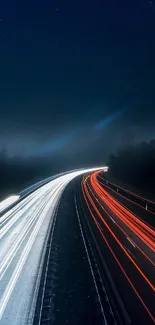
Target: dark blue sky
{"x":67,"y":66}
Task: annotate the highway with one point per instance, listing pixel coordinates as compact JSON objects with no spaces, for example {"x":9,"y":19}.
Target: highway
{"x":77,"y":251}
{"x":128,"y":244}
{"x":24,"y":231}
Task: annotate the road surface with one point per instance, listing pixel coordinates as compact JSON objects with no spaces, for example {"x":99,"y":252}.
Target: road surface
{"x":128,"y":244}
{"x":24,"y":231}
{"x":76,"y":253}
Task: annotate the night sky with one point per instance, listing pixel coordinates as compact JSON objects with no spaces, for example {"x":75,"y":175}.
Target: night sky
{"x":77,"y":78}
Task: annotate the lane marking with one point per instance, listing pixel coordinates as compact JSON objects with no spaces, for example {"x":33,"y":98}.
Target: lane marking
{"x":131,"y":242}
{"x":117,"y":260}
{"x":112,"y":220}
{"x":96,"y":265}
{"x":91,"y":269}
{"x":130,"y":252}
{"x":47,"y":265}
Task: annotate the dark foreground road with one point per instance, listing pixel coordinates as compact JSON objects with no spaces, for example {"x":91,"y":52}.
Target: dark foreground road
{"x":73,"y":292}
{"x":87,"y":277}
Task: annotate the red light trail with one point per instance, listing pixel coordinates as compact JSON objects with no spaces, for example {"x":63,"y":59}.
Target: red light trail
{"x":116,"y":224}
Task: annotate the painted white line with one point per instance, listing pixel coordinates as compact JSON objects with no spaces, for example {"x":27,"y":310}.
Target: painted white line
{"x":131,"y":242}
{"x":130,"y":252}
{"x":112,"y":220}
{"x":89,"y":261}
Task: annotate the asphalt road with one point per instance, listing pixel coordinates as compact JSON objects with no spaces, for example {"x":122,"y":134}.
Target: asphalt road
{"x":71,"y":291}
{"x":131,"y":200}
{"x":127,"y":245}
{"x":74,"y":253}
{"x":95,"y":274}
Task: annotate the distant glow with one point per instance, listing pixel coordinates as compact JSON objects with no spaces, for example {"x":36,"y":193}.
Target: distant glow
{"x":109,"y":119}
{"x":7,"y":202}
{"x":52,"y":145}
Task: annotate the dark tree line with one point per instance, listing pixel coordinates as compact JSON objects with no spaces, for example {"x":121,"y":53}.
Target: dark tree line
{"x":135,"y":165}
{"x":17,"y":173}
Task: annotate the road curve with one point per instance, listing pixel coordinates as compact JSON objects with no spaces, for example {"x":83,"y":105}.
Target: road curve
{"x":78,"y":254}
{"x":127,"y":242}
{"x":23,"y":236}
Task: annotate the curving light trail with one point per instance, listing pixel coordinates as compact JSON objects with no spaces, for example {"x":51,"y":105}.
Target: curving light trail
{"x":9,"y":201}
{"x":23,"y":237}
{"x":130,"y":240}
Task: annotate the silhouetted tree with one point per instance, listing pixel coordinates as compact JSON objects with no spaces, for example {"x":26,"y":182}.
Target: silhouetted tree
{"x":135,"y":165}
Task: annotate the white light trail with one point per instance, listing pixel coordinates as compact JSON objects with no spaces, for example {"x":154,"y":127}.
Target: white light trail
{"x":23,"y":235}
{"x":7,"y":202}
